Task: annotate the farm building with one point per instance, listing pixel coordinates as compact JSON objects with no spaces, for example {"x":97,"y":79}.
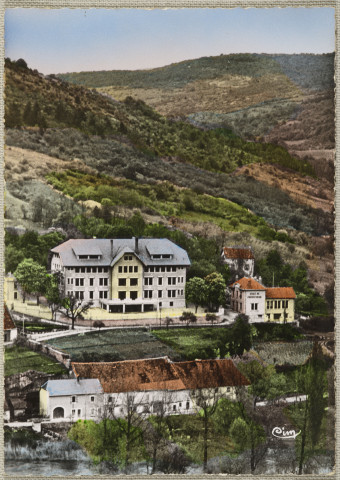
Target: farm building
{"x":259,"y":303}
{"x":148,"y":386}
{"x":123,"y":275}
{"x":240,"y":260}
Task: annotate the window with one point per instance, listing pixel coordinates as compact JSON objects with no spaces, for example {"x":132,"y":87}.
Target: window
{"x":135,"y":269}
{"x":160,"y":293}
{"x":125,"y":269}
{"x":279,"y":304}
{"x":79,"y":295}
{"x":79,"y":412}
{"x":268,"y":303}
{"x":160,"y":281}
{"x":122,"y":295}
{"x":91,"y":295}
{"x":171,"y":293}
{"x":133,"y":295}
{"x":77,"y":269}
{"x":275,"y":303}
{"x":168,"y":269}
{"x":122,"y":282}
{"x":128,"y":257}
{"x":103,"y":282}
{"x":147,"y":293}
{"x":88,"y":269}
{"x":162,"y":269}
{"x":130,"y":269}
{"x":171,"y":304}
{"x":83,"y":269}
{"x":174,"y":408}
{"x":79,"y":282}
{"x":100,"y":270}
{"x":109,"y":399}
{"x":171,"y":280}
{"x":73,"y":412}
{"x":91,"y":282}
{"x":74,"y":399}
{"x":120,"y":269}
{"x":103,"y":294}
{"x":180,"y":404}
{"x":92,"y":399}
{"x":148,"y":281}
{"x":277,"y":316}
{"x":187,"y":405}
{"x":157,"y":269}
{"x":254,"y":306}
{"x":94,"y":269}
{"x":133,"y":282}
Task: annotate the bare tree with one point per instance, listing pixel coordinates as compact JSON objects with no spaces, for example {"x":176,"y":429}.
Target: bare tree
{"x":74,"y":308}
{"x":206,"y":401}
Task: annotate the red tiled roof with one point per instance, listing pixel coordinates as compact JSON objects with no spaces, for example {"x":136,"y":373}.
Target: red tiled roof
{"x":243,"y":253}
{"x":8,"y":322}
{"x":280,"y":292}
{"x":248,"y":284}
{"x":132,"y":375}
{"x":161,"y":374}
{"x":210,"y":374}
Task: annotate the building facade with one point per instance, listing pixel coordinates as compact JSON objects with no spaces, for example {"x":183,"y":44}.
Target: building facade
{"x":240,"y":260}
{"x":280,"y":304}
{"x":10,"y":330}
{"x":70,"y":399}
{"x":261,"y":304}
{"x":248,"y":297}
{"x":123,"y":275}
{"x":147,"y":387}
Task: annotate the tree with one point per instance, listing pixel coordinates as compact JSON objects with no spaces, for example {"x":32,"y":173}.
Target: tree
{"x":216,"y":289}
{"x":206,"y":401}
{"x":74,"y":308}
{"x":158,"y":430}
{"x":308,"y":415}
{"x":188,"y":317}
{"x":196,"y":292}
{"x":31,"y":277}
{"x":241,"y":336}
{"x":247,"y":431}
{"x":168,"y":321}
{"x":53,"y":293}
{"x":98,"y":324}
{"x":211,"y":317}
{"x":259,"y":376}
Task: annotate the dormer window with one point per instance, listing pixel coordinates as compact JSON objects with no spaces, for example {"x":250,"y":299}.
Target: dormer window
{"x":89,"y":257}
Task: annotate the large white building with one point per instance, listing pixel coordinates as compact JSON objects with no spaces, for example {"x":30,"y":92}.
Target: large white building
{"x":149,"y":387}
{"x":123,"y":275}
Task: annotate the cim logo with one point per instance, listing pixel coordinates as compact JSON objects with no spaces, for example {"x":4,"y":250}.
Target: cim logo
{"x":279,"y":432}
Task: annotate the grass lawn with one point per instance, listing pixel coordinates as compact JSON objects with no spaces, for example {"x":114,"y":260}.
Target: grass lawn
{"x":187,"y":432}
{"x":111,"y":345}
{"x":20,"y":359}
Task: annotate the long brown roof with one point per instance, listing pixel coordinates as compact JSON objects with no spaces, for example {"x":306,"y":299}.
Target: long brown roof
{"x":8,"y":322}
{"x":248,"y":284}
{"x":242,"y":253}
{"x":161,"y":374}
{"x":280,"y":292}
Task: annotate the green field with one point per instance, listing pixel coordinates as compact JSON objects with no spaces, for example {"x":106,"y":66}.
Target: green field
{"x":113,"y":345}
{"x":20,"y":359}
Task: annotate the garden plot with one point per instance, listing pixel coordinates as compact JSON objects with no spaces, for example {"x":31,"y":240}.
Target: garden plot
{"x":113,"y":345}
{"x":284,"y":353}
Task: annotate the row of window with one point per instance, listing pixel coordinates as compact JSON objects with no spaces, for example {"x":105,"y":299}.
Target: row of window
{"x":128,"y":269}
{"x":122,"y":282}
{"x":171,"y":280}
{"x":170,"y":294}
{"x":88,"y":269}
{"x":277,"y":304}
{"x":79,"y":295}
{"x":160,"y":269}
{"x":80,"y":282}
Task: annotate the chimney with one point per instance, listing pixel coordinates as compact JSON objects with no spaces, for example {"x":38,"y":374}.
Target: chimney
{"x":136,"y":244}
{"x":111,"y":248}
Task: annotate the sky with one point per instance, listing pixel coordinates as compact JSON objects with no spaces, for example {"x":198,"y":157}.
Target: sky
{"x":73,"y":40}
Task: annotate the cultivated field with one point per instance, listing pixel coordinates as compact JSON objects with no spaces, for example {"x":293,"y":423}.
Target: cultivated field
{"x":284,"y":353}
{"x":113,"y":345}
{"x":20,"y":359}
